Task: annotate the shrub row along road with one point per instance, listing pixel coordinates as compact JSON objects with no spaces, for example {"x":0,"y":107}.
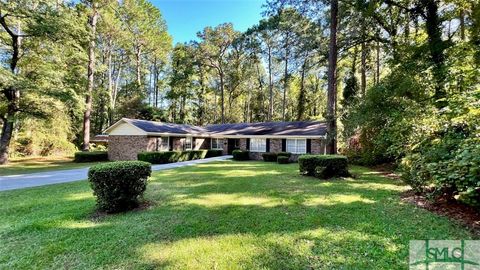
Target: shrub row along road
{"x":54,"y":177}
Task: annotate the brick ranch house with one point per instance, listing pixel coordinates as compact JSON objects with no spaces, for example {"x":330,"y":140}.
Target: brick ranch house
{"x":128,"y":137}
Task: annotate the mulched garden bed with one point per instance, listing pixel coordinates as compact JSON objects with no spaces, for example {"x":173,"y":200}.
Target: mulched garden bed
{"x":462,"y":213}
{"x":457,"y":211}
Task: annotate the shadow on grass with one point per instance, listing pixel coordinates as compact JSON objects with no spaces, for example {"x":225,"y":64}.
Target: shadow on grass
{"x":262,"y":215}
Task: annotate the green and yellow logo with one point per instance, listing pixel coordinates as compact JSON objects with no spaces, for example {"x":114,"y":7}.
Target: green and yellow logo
{"x":445,"y":254}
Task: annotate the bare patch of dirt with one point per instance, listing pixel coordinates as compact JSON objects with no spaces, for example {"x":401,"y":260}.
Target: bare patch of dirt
{"x":462,"y":213}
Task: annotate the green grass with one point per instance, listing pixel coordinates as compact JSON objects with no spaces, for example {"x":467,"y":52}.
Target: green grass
{"x":224,"y":215}
{"x":40,"y":164}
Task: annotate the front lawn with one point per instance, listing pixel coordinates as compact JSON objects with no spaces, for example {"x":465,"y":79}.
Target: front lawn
{"x":223,"y":215}
{"x":40,"y":164}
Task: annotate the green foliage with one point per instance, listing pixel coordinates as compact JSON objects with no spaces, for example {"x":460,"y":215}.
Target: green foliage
{"x":171,"y":156}
{"x":118,"y":185}
{"x":283,"y":159}
{"x":213,"y":153}
{"x":247,"y":197}
{"x":284,"y":154}
{"x":272,"y":156}
{"x":91,"y":156}
{"x":241,"y":155}
{"x":269,"y":157}
{"x":197,"y":154}
{"x":323,"y":166}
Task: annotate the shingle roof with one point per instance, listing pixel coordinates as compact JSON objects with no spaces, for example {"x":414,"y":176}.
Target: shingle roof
{"x":160,"y":127}
{"x":298,"y":128}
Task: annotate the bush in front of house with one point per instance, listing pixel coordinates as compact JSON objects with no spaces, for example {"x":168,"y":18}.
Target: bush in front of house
{"x":241,"y":155}
{"x":197,"y":154}
{"x":323,"y":166}
{"x":269,"y":157}
{"x":118,"y":185}
{"x":273,"y":156}
{"x":283,"y":160}
{"x":93,"y":156}
{"x":284,"y":154}
{"x":164,"y":157}
{"x":213,"y":153}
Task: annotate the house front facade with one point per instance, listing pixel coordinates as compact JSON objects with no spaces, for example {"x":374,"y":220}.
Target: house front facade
{"x":128,"y":137}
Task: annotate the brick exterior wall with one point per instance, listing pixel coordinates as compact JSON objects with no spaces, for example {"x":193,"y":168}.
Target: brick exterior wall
{"x":275,"y":145}
{"x":317,"y":147}
{"x":243,"y":144}
{"x":202,"y":143}
{"x":122,"y":147}
{"x":127,"y":147}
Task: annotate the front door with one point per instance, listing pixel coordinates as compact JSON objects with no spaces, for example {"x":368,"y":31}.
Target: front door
{"x":232,"y":144}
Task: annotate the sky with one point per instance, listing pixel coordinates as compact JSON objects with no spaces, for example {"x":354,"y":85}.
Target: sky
{"x":187,"y":17}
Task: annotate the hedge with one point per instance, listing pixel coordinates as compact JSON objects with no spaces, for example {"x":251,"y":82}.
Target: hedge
{"x":171,"y":156}
{"x":269,"y":157}
{"x":283,"y":160}
{"x":241,"y":155}
{"x":284,"y":154}
{"x":91,"y":156}
{"x":272,"y":156}
{"x":323,"y":166}
{"x":214,"y":153}
{"x":118,"y":185}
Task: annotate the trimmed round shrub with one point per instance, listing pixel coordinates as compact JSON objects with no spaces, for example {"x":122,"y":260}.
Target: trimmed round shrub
{"x":321,"y":172}
{"x":269,"y":157}
{"x":213,"y":153}
{"x":283,"y":160}
{"x":241,"y":155}
{"x":323,"y":166}
{"x":91,"y":156}
{"x":118,"y":185}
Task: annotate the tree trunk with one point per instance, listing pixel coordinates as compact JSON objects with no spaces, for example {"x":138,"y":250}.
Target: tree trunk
{"x":222,"y":96}
{"x":301,"y":95}
{"x":270,"y":85}
{"x":90,"y":82}
{"x":378,"y":62}
{"x":285,"y":79}
{"x":436,"y":47}
{"x":363,"y":69}
{"x":331,"y":144}
{"x":138,"y":62}
{"x":11,"y":94}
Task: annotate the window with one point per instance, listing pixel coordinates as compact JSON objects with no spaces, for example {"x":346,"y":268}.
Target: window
{"x":162,"y":144}
{"x":297,"y":146}
{"x":258,"y":145}
{"x":217,"y":143}
{"x":188,"y":143}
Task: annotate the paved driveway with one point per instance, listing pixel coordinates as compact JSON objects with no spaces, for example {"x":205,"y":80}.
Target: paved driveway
{"x":62,"y":176}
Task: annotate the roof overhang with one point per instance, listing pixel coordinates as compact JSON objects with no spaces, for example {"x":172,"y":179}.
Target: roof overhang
{"x":123,"y":121}
{"x":269,"y":136}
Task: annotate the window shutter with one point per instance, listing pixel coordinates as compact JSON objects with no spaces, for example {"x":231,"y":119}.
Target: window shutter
{"x":268,"y":145}
{"x":170,"y":146}
{"x":248,"y":144}
{"x":284,"y":145}
{"x":309,"y":146}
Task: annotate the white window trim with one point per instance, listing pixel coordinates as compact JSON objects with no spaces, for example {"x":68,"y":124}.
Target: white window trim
{"x":191,"y":143}
{"x":296,"y":145}
{"x":258,"y":150}
{"x":219,"y":143}
{"x":168,"y":144}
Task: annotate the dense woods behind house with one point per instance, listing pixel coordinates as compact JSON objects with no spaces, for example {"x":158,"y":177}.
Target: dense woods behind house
{"x":396,"y":81}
